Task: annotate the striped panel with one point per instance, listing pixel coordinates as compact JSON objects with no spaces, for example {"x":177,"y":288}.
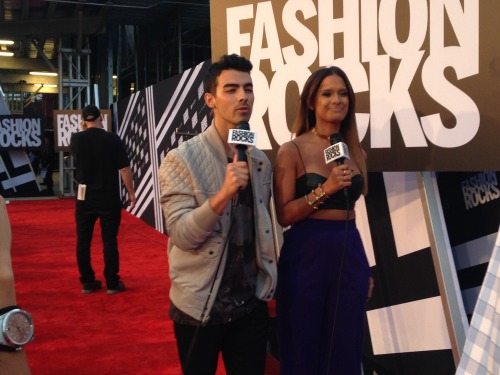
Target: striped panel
{"x":406,"y":331}
{"x":17,"y":175}
{"x":409,"y":327}
{"x":153,"y":121}
{"x":471,"y":206}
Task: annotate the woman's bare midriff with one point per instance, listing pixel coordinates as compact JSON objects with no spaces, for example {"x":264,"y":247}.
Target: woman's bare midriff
{"x":333,"y":214}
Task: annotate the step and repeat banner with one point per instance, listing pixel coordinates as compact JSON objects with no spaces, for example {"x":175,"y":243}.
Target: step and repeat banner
{"x":67,"y":122}
{"x":426,"y":83}
{"x":424,"y":72}
{"x":20,"y":138}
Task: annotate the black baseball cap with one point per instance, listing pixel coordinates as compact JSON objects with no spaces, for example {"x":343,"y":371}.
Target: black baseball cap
{"x":90,"y":113}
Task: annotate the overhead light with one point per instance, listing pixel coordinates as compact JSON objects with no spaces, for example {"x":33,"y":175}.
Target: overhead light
{"x":53,"y":74}
{"x":4,"y":53}
{"x":8,"y":42}
{"x":45,"y":84}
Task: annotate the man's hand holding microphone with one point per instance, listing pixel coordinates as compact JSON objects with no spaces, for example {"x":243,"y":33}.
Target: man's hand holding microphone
{"x":241,"y":140}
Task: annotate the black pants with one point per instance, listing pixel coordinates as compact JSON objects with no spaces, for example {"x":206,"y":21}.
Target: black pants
{"x":86,"y":217}
{"x":241,"y":342}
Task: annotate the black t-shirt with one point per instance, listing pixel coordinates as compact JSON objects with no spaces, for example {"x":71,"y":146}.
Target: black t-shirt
{"x":236,"y":296}
{"x":99,"y":155}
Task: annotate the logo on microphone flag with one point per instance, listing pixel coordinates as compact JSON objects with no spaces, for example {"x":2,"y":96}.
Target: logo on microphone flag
{"x":242,"y":137}
{"x":335,"y":152}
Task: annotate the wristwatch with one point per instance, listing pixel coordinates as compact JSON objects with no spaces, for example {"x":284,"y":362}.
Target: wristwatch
{"x":16,"y":328}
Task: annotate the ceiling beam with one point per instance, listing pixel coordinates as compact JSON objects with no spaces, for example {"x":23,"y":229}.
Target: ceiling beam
{"x":27,"y":79}
{"x":39,"y":48}
{"x":20,"y":88}
{"x":50,"y":28}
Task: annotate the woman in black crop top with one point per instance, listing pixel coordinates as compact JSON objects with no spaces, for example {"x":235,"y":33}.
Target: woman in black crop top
{"x":323,"y":273}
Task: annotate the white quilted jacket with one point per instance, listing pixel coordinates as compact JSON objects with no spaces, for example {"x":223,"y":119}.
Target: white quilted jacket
{"x":189,"y":175}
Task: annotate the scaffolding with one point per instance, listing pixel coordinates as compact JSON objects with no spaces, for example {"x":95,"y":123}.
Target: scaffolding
{"x":15,"y":102}
{"x":74,"y":91}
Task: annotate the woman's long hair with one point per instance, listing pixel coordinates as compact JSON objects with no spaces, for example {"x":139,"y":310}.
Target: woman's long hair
{"x":306,"y":117}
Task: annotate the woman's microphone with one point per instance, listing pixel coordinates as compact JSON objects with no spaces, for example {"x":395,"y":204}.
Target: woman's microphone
{"x":338,"y":151}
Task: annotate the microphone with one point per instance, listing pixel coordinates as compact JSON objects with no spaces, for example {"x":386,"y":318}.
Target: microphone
{"x":242,"y":139}
{"x":338,"y":150}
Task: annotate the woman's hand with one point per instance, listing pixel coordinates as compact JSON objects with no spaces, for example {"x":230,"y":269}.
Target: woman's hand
{"x":339,"y":178}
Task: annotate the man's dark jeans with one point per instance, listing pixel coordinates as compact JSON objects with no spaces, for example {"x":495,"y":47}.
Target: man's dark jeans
{"x":86,"y":216}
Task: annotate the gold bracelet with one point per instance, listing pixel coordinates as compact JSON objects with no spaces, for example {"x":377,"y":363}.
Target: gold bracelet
{"x":316,"y":198}
{"x":310,"y":203}
{"x":323,"y":193}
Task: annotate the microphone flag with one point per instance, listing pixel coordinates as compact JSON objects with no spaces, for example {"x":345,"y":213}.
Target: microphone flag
{"x":242,"y":138}
{"x":338,"y":150}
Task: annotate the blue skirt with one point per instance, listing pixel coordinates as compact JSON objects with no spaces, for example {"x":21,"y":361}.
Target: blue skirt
{"x":323,"y":276}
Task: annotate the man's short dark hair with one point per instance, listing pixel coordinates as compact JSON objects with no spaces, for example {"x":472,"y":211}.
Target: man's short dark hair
{"x":226,"y":62}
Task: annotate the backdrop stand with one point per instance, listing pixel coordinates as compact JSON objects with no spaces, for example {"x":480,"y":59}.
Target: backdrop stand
{"x":444,"y":264}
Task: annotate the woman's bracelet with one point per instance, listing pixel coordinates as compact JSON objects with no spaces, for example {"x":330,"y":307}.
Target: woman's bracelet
{"x":316,"y":198}
{"x":323,"y":193}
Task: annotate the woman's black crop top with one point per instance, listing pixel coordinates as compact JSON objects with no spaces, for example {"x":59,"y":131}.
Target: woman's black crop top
{"x":309,"y":181}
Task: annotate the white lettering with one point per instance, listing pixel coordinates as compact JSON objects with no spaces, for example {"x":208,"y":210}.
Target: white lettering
{"x":22,"y":133}
{"x":300,"y":32}
{"x":386,"y":100}
{"x":235,"y":39}
{"x":328,"y":25}
{"x":462,"y":106}
{"x":466,"y":26}
{"x":375,"y":58}
{"x":265,"y":30}
{"x":277,"y":107}
{"x":261,"y":91}
{"x":417,"y":28}
{"x":69,"y":123}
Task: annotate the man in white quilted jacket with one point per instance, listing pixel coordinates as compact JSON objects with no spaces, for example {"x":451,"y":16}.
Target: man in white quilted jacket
{"x":221,"y":246}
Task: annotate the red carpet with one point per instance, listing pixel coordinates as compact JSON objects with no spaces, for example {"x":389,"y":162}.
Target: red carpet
{"x":92,"y":334}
